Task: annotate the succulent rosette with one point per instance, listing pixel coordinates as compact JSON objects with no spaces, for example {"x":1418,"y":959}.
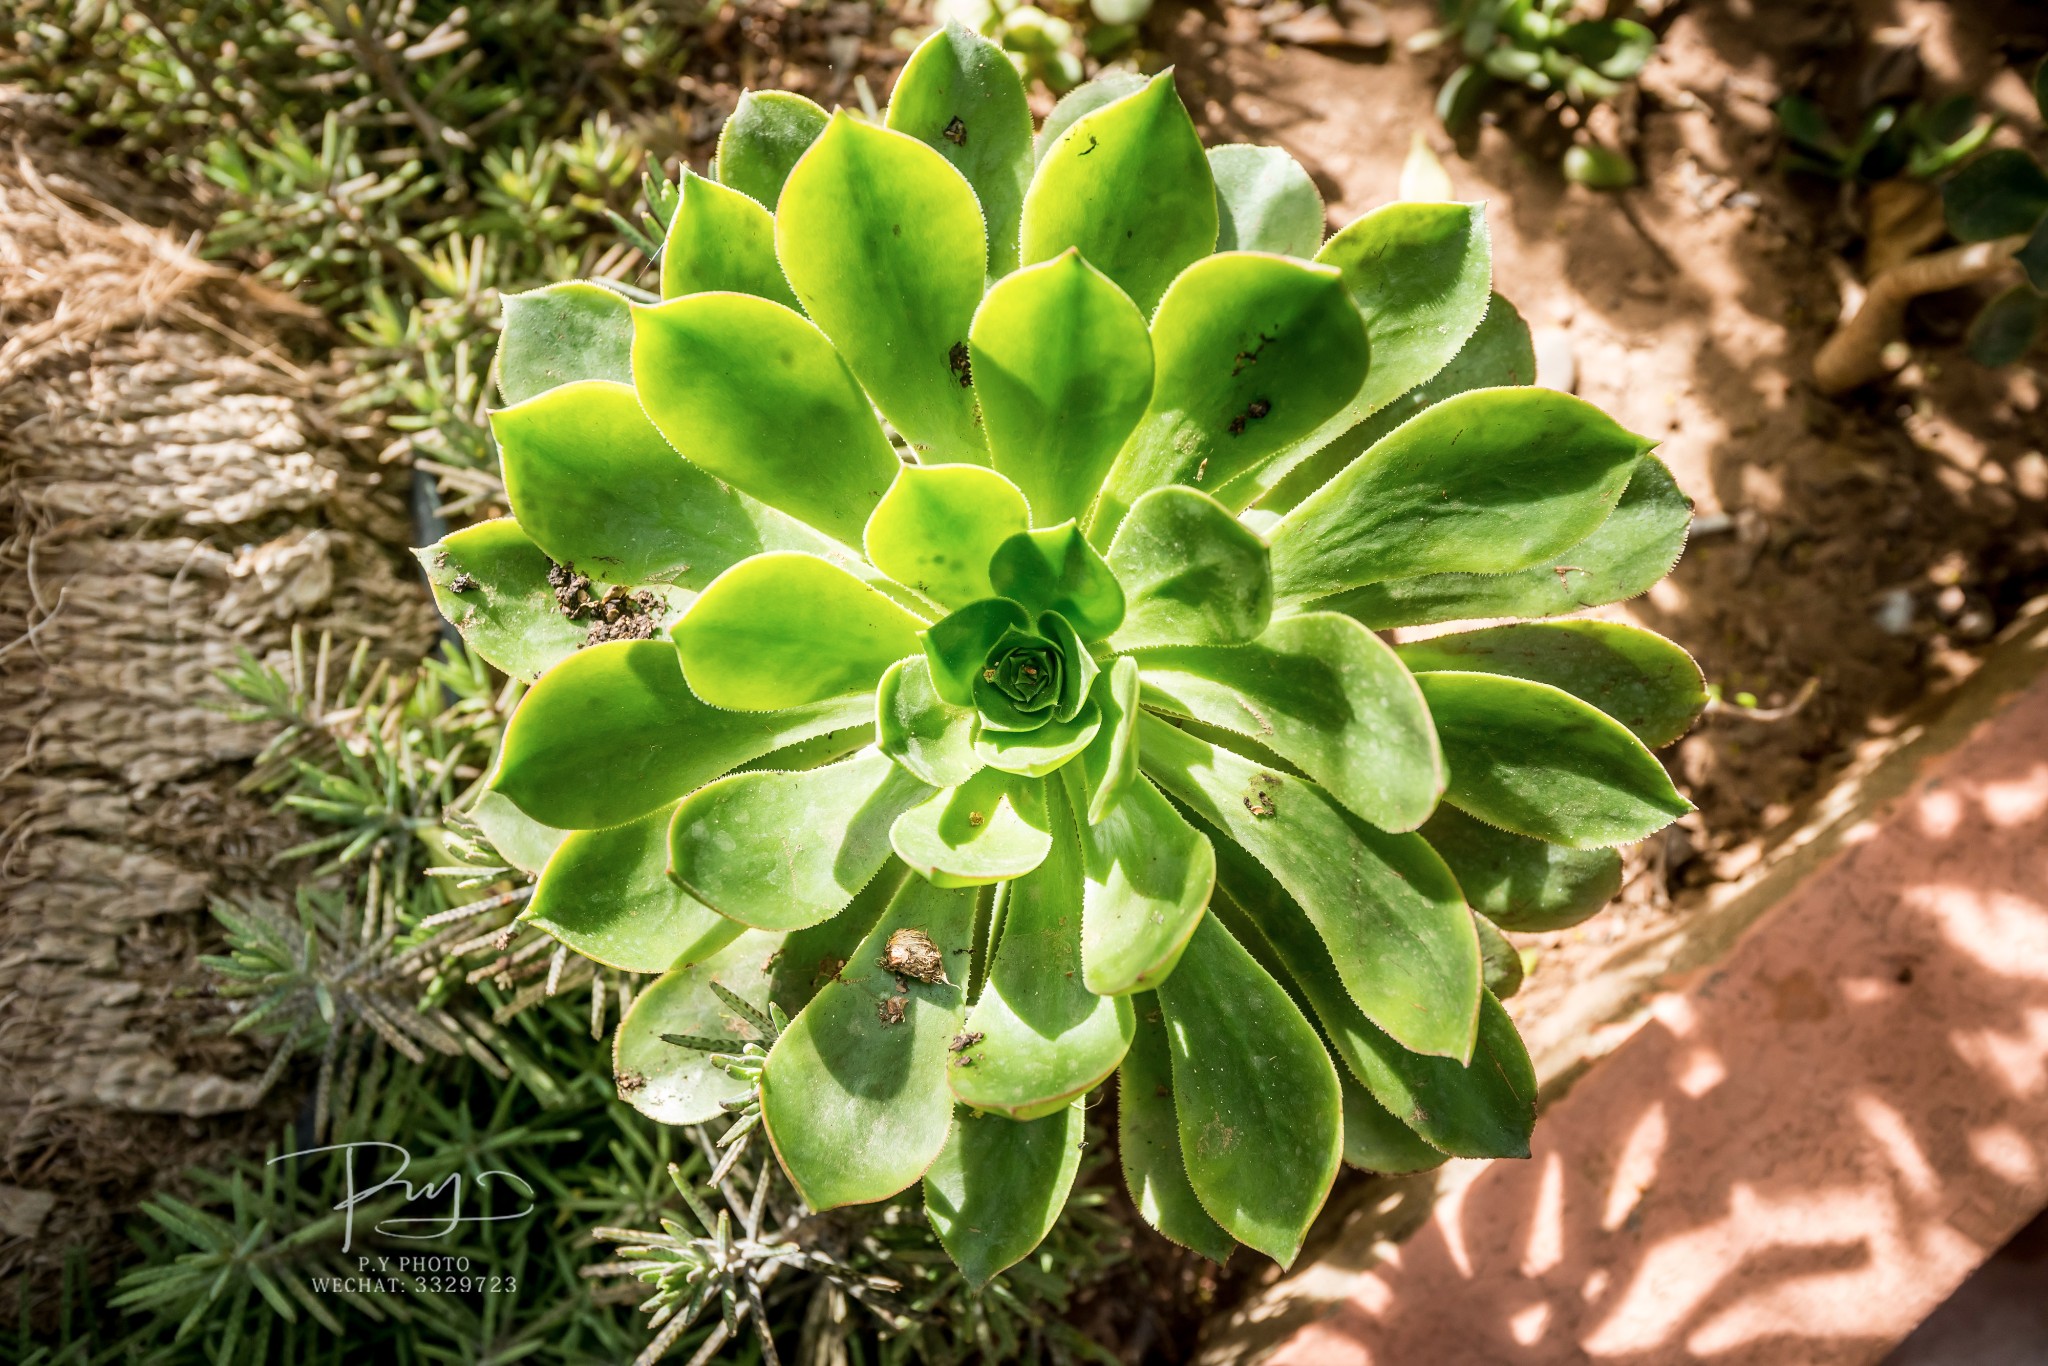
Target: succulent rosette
{"x":975,"y":557}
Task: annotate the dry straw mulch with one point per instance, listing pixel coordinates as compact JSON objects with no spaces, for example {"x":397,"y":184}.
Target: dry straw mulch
{"x":175,"y":488}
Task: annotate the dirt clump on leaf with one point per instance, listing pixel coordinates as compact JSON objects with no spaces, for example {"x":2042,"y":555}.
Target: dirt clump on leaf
{"x":615,"y":613}
{"x":1258,"y":795}
{"x":911,"y":953}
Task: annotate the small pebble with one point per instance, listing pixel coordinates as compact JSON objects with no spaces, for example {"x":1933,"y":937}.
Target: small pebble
{"x":1894,"y":614}
{"x":1557,"y":367}
{"x":2030,"y":476}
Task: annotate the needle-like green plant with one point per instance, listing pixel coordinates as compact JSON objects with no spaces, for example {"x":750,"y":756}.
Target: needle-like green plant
{"x":952,"y":611}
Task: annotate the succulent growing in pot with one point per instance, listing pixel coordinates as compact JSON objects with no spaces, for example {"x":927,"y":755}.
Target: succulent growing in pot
{"x":951,"y":611}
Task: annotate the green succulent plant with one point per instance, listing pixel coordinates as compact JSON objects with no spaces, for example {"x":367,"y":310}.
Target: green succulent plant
{"x":951,"y":610}
{"x":1539,"y":46}
{"x":1921,"y":140}
{"x":1041,"y":39}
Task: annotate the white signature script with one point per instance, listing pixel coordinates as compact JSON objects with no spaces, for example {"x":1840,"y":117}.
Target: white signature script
{"x":449,"y":1186}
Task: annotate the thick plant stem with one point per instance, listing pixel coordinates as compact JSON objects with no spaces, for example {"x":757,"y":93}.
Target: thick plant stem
{"x":1855,"y":353}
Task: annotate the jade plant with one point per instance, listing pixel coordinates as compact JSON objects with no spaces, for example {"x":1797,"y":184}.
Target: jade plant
{"x":952,"y":611}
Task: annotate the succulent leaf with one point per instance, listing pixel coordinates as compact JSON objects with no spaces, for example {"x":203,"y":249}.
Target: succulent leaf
{"x":1616,"y":48}
{"x":961,"y":96}
{"x":1521,"y":883}
{"x":785,"y":629}
{"x":1637,"y":677}
{"x":526,"y":844}
{"x":1082,"y":100}
{"x":1326,"y":695}
{"x":1192,"y":574}
{"x":720,"y":239}
{"x":927,"y":735}
{"x":1063,"y":370}
{"x":812,"y":957}
{"x":1265,"y":201}
{"x":1487,"y":482}
{"x":1535,"y":760}
{"x":883,"y":241}
{"x":1375,"y":1141}
{"x":613,"y":732}
{"x":1373,"y":1138}
{"x":607,"y":895}
{"x":675,"y":1085}
{"x":999,"y":1184}
{"x":595,"y":486}
{"x":1636,"y":546}
{"x":1388,"y":911}
{"x":1129,"y":185}
{"x":1148,"y":874}
{"x":1056,"y":570}
{"x":1109,"y":765}
{"x":560,"y":333}
{"x":1037,"y":752}
{"x":1256,"y":1095}
{"x":1251,"y":353}
{"x":1484,"y":1108}
{"x":1421,"y":275}
{"x":1077,"y":667}
{"x":767,"y":135}
{"x":991,"y":828}
{"x":1499,"y":353}
{"x":1500,"y":966}
{"x":493,"y":582}
{"x":782,"y":851}
{"x":854,"y":1095}
{"x":1148,"y":1140}
{"x":939,"y":526}
{"x":754,"y":394}
{"x":2033,"y":258}
{"x":1037,"y":1037}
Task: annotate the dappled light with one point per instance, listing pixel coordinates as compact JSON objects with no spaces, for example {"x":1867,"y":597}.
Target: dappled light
{"x":1802,"y":1150}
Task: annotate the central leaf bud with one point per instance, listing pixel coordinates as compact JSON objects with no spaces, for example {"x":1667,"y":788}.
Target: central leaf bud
{"x":1028,"y":675}
{"x":1016,"y":670}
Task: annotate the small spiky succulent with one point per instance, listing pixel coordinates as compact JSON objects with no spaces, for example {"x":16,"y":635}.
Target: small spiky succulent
{"x":951,"y":609}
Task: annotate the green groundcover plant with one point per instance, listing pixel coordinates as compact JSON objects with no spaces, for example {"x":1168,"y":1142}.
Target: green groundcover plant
{"x":2003,"y":194}
{"x":951,"y":614}
{"x":1540,"y":46}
